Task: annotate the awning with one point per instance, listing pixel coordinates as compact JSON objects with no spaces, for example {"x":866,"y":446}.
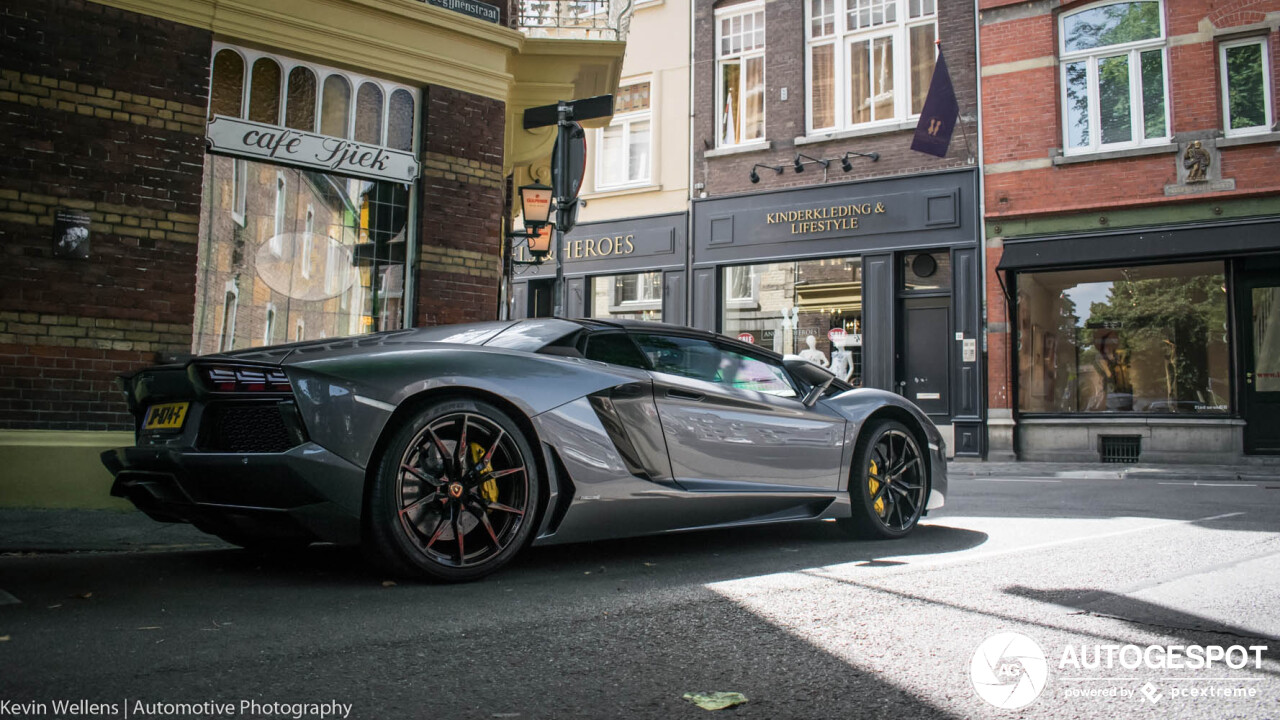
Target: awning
{"x":1137,"y":247}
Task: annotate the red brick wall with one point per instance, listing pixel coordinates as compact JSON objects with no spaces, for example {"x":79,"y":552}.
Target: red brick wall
{"x":101,"y":110}
{"x":785,"y":120}
{"x":460,"y":208}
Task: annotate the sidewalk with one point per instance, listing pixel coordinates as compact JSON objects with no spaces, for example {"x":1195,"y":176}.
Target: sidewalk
{"x":23,"y":530}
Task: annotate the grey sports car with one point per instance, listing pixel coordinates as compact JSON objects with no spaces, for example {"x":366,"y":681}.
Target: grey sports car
{"x":447,"y":450}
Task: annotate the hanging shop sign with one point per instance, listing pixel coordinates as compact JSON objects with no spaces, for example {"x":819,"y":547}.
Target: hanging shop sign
{"x":470,"y":8}
{"x":259,"y":141}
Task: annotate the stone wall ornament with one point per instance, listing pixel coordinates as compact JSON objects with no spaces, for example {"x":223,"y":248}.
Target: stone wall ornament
{"x":1196,"y":160}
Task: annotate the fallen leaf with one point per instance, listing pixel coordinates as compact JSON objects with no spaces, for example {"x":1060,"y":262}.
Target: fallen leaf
{"x":716,"y":700}
{"x":4,"y":638}
{"x":388,"y":583}
{"x":649,"y":564}
{"x":85,"y":596}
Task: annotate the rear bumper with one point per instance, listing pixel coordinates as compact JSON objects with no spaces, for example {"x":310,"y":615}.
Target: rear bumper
{"x":304,"y":493}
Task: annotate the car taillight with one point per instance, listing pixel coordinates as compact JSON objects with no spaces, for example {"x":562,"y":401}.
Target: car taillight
{"x":233,"y":379}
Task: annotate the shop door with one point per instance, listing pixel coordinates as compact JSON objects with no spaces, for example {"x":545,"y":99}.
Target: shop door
{"x":1259,"y":303}
{"x":924,"y":361}
{"x":540,"y":298}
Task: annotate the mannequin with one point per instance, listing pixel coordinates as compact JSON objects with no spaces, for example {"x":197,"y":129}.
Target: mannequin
{"x":813,"y":354}
{"x":841,"y":361}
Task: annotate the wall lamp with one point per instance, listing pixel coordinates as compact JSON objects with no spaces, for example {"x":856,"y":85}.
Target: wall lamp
{"x":756,"y":178}
{"x":535,"y":208}
{"x":846,"y":166}
{"x":800,"y":163}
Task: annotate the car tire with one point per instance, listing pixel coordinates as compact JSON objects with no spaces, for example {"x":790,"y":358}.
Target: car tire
{"x":455,"y":495}
{"x":886,"y":450}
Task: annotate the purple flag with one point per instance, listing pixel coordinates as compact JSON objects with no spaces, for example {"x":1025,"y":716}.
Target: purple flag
{"x":938,"y":118}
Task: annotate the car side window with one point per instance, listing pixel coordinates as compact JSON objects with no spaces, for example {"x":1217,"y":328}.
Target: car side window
{"x":615,"y":348}
{"x":704,"y":360}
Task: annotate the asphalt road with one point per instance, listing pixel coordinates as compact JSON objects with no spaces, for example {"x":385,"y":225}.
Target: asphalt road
{"x":804,"y":622}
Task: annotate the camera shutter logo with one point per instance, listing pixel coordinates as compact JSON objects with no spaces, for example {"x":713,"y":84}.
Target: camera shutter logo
{"x":1009,"y":670}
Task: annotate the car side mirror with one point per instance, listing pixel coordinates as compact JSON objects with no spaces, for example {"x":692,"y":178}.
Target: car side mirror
{"x":817,"y":391}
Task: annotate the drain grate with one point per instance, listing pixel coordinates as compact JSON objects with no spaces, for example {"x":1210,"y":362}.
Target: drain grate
{"x":1120,"y":448}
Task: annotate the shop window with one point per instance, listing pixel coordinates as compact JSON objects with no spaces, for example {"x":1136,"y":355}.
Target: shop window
{"x":344,"y":276}
{"x":335,"y":108}
{"x":226,"y":86}
{"x":797,"y":305}
{"x":400,"y":121}
{"x":1246,"y":86}
{"x":926,"y":271}
{"x":625,"y":145}
{"x":634,"y":296}
{"x":868,"y":61}
{"x":1145,"y":340}
{"x":264,"y":92}
{"x":369,"y":114}
{"x":1113,"y":77}
{"x":300,"y":111}
{"x":740,"y":72}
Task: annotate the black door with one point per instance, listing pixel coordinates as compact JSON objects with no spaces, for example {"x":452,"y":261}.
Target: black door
{"x":924,"y":362}
{"x":540,"y":298}
{"x":1258,"y":298}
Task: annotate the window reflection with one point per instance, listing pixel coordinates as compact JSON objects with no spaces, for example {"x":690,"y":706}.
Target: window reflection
{"x":264,"y":92}
{"x":316,"y":251}
{"x":1136,"y":340}
{"x":632,"y":296}
{"x":226,"y":91}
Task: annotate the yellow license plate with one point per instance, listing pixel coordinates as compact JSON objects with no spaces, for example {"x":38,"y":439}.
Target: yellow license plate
{"x":168,"y":416}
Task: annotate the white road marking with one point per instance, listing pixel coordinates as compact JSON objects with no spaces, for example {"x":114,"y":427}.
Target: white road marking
{"x":1209,"y":484}
{"x":1030,"y":480}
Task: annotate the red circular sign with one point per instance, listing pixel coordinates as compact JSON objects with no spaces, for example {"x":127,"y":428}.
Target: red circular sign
{"x":747,"y":337}
{"x":836,"y":335}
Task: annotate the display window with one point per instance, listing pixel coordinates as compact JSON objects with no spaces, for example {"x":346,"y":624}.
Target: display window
{"x":1143,"y":340}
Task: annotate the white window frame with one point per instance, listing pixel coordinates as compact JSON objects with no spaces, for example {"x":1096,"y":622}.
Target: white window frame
{"x":1091,"y":57}
{"x":239,"y":185}
{"x":230,"y":309}
{"x":626,"y":120}
{"x":270,"y":325}
{"x":307,"y":242}
{"x":1227,"y":130}
{"x":841,"y":39}
{"x":618,"y":304}
{"x":752,"y":299}
{"x":740,"y":58}
{"x":281,"y":207}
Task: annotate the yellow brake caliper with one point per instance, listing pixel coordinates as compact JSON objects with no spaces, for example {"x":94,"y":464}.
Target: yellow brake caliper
{"x":490,"y":487}
{"x":873,"y":483}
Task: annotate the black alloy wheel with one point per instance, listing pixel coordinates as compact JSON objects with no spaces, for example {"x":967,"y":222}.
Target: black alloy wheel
{"x":889,"y":483}
{"x":456,"y":494}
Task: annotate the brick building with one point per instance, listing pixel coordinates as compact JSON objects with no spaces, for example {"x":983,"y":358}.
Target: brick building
{"x":185,"y":176}
{"x":1133,"y":228}
{"x":815,"y":228}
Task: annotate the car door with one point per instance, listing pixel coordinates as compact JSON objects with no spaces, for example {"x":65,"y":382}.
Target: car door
{"x":733,"y":420}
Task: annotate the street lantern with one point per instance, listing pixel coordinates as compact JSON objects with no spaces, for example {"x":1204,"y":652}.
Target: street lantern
{"x":535,"y":205}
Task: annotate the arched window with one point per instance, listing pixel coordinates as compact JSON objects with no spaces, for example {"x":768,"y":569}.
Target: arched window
{"x":369,"y":114}
{"x":264,"y":92}
{"x":1113,"y":77}
{"x":400,"y":121}
{"x":335,"y":107}
{"x":300,"y":112}
{"x":226,"y":89}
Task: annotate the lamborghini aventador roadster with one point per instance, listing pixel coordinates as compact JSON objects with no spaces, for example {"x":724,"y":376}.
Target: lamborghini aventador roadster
{"x":447,"y":450}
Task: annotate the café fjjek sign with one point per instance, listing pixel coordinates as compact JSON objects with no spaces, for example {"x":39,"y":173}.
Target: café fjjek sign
{"x":260,"y":141}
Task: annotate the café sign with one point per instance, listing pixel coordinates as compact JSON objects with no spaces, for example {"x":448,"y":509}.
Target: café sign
{"x":259,"y":141}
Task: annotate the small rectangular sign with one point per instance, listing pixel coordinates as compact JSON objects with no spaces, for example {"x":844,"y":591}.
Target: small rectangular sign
{"x":971,"y":350}
{"x":71,"y":233}
{"x":470,"y":8}
{"x":260,"y":141}
{"x":928,"y":396}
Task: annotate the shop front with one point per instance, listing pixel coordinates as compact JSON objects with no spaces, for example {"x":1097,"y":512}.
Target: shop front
{"x":877,"y":281}
{"x":1161,"y":345}
{"x":621,"y":269}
